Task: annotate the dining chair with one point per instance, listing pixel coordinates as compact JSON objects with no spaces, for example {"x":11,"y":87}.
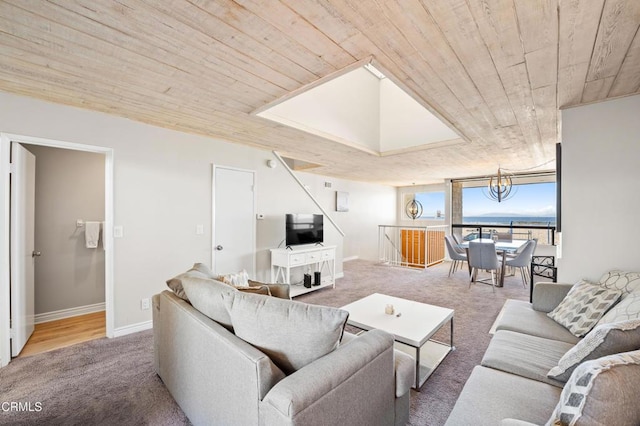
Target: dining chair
{"x":457,"y":255}
{"x":523,"y":260}
{"x":482,"y":255}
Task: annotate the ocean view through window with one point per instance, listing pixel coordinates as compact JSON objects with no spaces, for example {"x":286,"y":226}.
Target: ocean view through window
{"x":531,"y":213}
{"x":533,"y":203}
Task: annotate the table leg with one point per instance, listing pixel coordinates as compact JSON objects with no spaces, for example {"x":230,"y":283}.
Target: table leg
{"x":417,"y":386}
{"x":502,"y":270}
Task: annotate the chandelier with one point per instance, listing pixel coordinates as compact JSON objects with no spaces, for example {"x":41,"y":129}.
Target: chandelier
{"x":500,"y":187}
{"x":413,"y":209}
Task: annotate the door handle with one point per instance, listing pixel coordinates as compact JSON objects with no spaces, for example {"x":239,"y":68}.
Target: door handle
{"x":219,"y":247}
{"x":36,"y":254}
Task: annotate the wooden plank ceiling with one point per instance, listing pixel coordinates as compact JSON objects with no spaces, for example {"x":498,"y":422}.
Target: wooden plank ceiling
{"x":498,"y":70}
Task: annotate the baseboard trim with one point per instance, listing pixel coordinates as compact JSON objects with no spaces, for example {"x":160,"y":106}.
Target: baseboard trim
{"x":133,"y":328}
{"x":350,"y":258}
{"x":68,"y":313}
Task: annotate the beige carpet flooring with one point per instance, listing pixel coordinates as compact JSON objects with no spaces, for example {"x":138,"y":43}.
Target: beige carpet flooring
{"x":111,"y":381}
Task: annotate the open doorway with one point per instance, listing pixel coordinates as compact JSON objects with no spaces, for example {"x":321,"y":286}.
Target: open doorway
{"x":96,"y":268}
{"x":69,"y":258}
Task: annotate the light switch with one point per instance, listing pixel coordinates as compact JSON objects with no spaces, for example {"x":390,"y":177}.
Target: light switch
{"x":199,"y":229}
{"x":118,"y":232}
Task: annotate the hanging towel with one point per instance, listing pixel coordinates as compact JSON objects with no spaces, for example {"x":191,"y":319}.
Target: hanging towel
{"x":92,"y":234}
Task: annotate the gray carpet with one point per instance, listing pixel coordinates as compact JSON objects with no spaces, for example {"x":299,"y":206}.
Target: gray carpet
{"x":111,"y":381}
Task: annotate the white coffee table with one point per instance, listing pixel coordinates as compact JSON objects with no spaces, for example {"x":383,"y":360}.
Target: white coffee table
{"x":412,"y":325}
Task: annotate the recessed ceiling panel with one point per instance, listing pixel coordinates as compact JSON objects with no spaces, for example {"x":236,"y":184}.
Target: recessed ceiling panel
{"x":364,"y":109}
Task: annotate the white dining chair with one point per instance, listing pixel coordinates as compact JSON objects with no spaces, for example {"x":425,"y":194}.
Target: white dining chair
{"x":482,"y":255}
{"x":458,"y":256}
{"x":523,"y":260}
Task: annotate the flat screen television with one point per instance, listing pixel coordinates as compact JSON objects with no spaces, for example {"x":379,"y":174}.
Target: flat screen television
{"x":303,"y":229}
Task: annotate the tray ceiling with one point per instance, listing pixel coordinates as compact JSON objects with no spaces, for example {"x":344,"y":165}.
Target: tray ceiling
{"x":497,"y":70}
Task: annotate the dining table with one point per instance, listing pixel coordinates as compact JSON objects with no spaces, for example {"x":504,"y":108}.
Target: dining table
{"x":502,"y":247}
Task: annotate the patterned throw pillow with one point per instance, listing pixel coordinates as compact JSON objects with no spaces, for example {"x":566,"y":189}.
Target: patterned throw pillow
{"x":603,"y":391}
{"x":626,"y":282}
{"x":583,"y":307}
{"x":605,"y":339}
{"x":627,"y":309}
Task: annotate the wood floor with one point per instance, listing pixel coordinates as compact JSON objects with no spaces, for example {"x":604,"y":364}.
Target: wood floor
{"x":65,"y":332}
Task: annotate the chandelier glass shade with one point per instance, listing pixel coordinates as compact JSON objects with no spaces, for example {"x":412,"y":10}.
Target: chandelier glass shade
{"x":413,"y":209}
{"x":500,"y":187}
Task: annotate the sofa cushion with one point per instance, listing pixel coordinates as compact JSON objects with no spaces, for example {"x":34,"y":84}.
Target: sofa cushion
{"x":583,"y":307}
{"x":605,"y":339}
{"x":492,"y":395}
{"x":198,"y":270}
{"x":627,"y":309}
{"x":519,"y":316}
{"x":293,"y":334}
{"x":602,"y":391}
{"x":205,"y":295}
{"x":626,"y":282}
{"x":525,"y":355}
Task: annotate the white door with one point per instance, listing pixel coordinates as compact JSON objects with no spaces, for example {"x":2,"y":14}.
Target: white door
{"x":233,"y":220}
{"x":23,"y":254}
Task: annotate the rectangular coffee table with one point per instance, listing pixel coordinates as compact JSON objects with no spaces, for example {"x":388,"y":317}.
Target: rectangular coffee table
{"x":412,"y":325}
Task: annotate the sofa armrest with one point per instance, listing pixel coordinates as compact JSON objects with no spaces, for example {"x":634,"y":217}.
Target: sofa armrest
{"x":354,"y":384}
{"x":546,"y":296}
{"x":405,"y":368}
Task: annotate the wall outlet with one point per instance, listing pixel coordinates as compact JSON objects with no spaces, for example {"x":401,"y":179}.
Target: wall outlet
{"x":118,"y":232}
{"x":145,"y":304}
{"x":199,"y":229}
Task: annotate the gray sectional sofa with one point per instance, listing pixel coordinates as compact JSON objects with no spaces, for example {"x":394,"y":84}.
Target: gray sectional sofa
{"x":218,"y":378}
{"x":511,"y":386}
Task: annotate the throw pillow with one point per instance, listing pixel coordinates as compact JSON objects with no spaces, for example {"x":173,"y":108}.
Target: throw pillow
{"x":293,"y":334}
{"x":198,"y":270}
{"x":276,"y":290}
{"x":602,"y":391}
{"x":238,"y":279}
{"x":205,"y":295}
{"x":605,"y":339}
{"x":626,"y":282}
{"x":263,"y":289}
{"x":627,"y":309}
{"x":583,"y":306}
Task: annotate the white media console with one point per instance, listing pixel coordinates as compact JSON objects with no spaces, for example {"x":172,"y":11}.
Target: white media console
{"x":314,"y":258}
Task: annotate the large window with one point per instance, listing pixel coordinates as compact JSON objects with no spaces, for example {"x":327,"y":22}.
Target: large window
{"x":532,"y":203}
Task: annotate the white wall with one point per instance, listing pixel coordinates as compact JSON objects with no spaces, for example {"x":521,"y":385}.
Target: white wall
{"x":405,"y":123}
{"x":369,"y":206}
{"x":600,"y":187}
{"x":404,"y":220}
{"x":163,"y":190}
{"x":69,"y":186}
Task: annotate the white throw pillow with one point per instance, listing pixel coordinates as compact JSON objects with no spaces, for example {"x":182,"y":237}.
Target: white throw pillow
{"x":626,"y":282}
{"x":239,"y":279}
{"x":627,"y":309}
{"x":583,"y":306}
{"x":605,"y":339}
